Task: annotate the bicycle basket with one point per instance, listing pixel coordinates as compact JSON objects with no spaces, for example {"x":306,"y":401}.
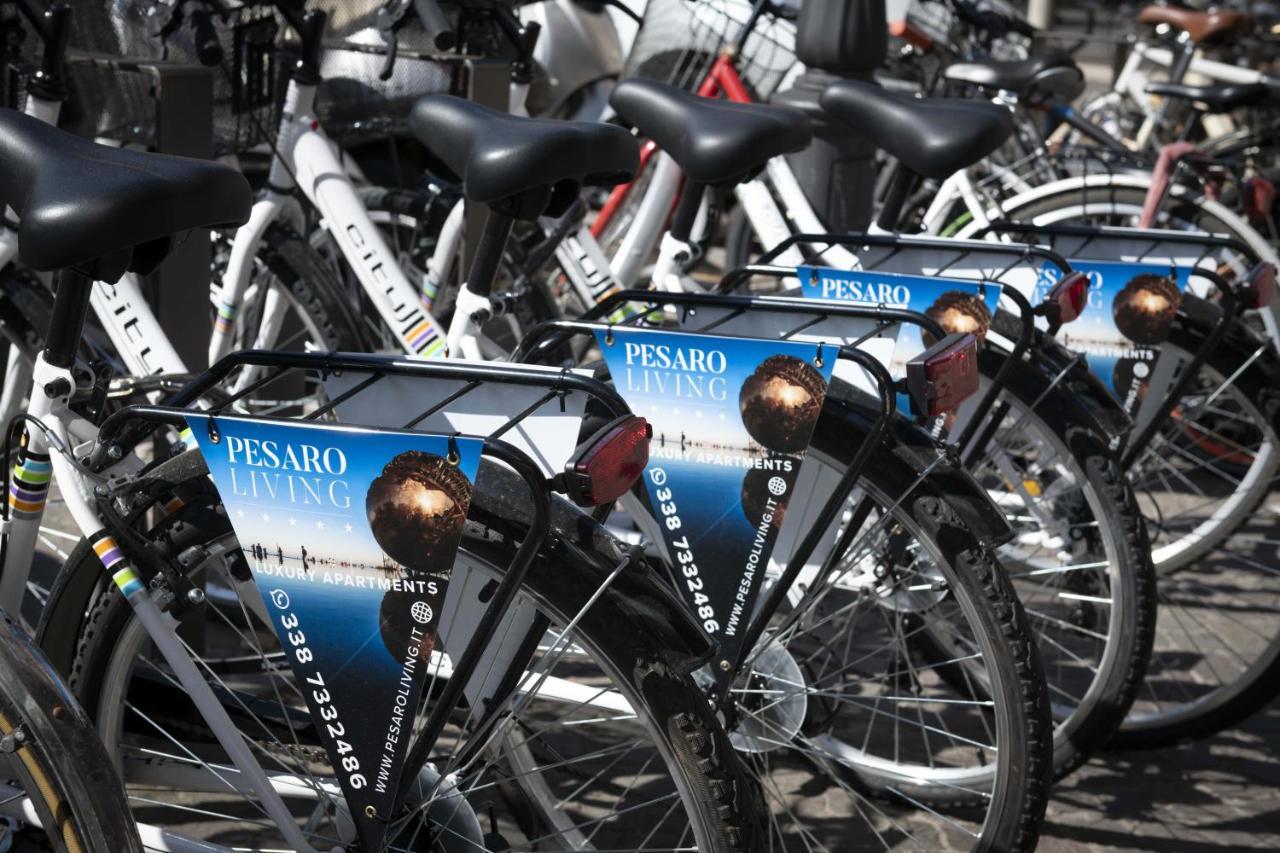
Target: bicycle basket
{"x":679,"y":40}
{"x":113,"y":100}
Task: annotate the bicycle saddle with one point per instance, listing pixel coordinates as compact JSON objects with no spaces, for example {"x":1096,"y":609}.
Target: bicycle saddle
{"x":1050,"y":77}
{"x":1215,"y":26}
{"x":715,"y":142}
{"x":933,"y":137}
{"x":523,"y":167}
{"x":104,"y":211}
{"x":1216,"y":99}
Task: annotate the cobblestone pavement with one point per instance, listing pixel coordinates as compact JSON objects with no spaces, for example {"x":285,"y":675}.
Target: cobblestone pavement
{"x":1218,"y":794}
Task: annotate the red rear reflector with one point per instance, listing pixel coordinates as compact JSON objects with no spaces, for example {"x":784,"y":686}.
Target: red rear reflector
{"x":609,"y":463}
{"x":1262,"y":285}
{"x":943,"y":376}
{"x":1070,"y":295}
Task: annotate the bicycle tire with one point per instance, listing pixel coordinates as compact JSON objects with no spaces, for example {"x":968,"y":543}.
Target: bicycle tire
{"x":941,"y":505}
{"x":62,"y":767}
{"x":1132,"y":587}
{"x":1259,"y":685}
{"x":311,"y":287}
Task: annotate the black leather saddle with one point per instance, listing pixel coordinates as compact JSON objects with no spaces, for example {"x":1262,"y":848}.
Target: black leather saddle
{"x":105,"y":211}
{"x":933,"y":137}
{"x":719,"y":143}
{"x":1217,"y":99}
{"x":523,"y":167}
{"x":1036,"y":80}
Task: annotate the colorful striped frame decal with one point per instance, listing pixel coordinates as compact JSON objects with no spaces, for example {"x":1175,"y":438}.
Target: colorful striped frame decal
{"x":113,"y":560}
{"x":226,"y":318}
{"x":30,"y":484}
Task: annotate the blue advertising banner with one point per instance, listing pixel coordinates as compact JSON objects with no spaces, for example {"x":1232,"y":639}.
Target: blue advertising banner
{"x":955,"y":304}
{"x":1131,"y":309}
{"x":732,"y":419}
{"x":351,"y":535}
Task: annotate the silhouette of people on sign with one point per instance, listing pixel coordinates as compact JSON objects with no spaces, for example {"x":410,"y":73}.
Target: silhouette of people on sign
{"x":280,"y":554}
{"x":304,"y":556}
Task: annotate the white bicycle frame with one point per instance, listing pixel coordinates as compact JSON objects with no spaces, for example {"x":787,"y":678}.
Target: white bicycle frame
{"x":1144,"y":57}
{"x":306,"y":159}
{"x":137,"y":336}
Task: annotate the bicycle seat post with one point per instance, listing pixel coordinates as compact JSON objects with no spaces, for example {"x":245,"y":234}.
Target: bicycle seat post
{"x":520,"y":169}
{"x":66,"y":324}
{"x":493,"y":241}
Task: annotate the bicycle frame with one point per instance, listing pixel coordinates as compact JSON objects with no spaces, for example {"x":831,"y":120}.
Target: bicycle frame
{"x":306,"y":160}
{"x":1131,"y":82}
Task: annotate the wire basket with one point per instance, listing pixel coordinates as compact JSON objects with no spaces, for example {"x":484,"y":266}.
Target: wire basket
{"x":938,"y":20}
{"x":680,"y":39}
{"x":113,"y":100}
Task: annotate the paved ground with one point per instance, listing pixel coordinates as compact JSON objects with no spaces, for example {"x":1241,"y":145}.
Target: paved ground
{"x":1219,"y":794}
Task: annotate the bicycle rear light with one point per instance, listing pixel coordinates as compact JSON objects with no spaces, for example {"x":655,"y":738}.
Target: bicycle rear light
{"x":1262,"y":286}
{"x":608,"y":463}
{"x":1070,"y":295}
{"x":944,"y":375}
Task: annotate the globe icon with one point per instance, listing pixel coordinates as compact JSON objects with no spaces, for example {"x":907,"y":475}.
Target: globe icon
{"x":777,"y":486}
{"x":421,"y":612}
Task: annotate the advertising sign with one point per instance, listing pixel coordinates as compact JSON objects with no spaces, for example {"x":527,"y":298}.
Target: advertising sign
{"x":1131,"y":310}
{"x":732,"y":419}
{"x":351,"y":535}
{"x":954,"y":304}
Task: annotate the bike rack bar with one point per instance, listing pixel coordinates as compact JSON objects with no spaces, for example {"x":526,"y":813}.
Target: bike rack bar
{"x":1020,"y":252}
{"x":1002,"y":226}
{"x":115,"y":430}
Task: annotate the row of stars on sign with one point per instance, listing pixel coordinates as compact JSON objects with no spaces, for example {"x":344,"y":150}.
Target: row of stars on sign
{"x":293,"y":521}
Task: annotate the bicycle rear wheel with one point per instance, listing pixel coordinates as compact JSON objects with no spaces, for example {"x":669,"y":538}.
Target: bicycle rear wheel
{"x":65,"y":781}
{"x":839,"y":698}
{"x":1079,"y":560}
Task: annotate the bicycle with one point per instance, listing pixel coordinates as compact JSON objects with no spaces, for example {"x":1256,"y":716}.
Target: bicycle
{"x":260,"y":751}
